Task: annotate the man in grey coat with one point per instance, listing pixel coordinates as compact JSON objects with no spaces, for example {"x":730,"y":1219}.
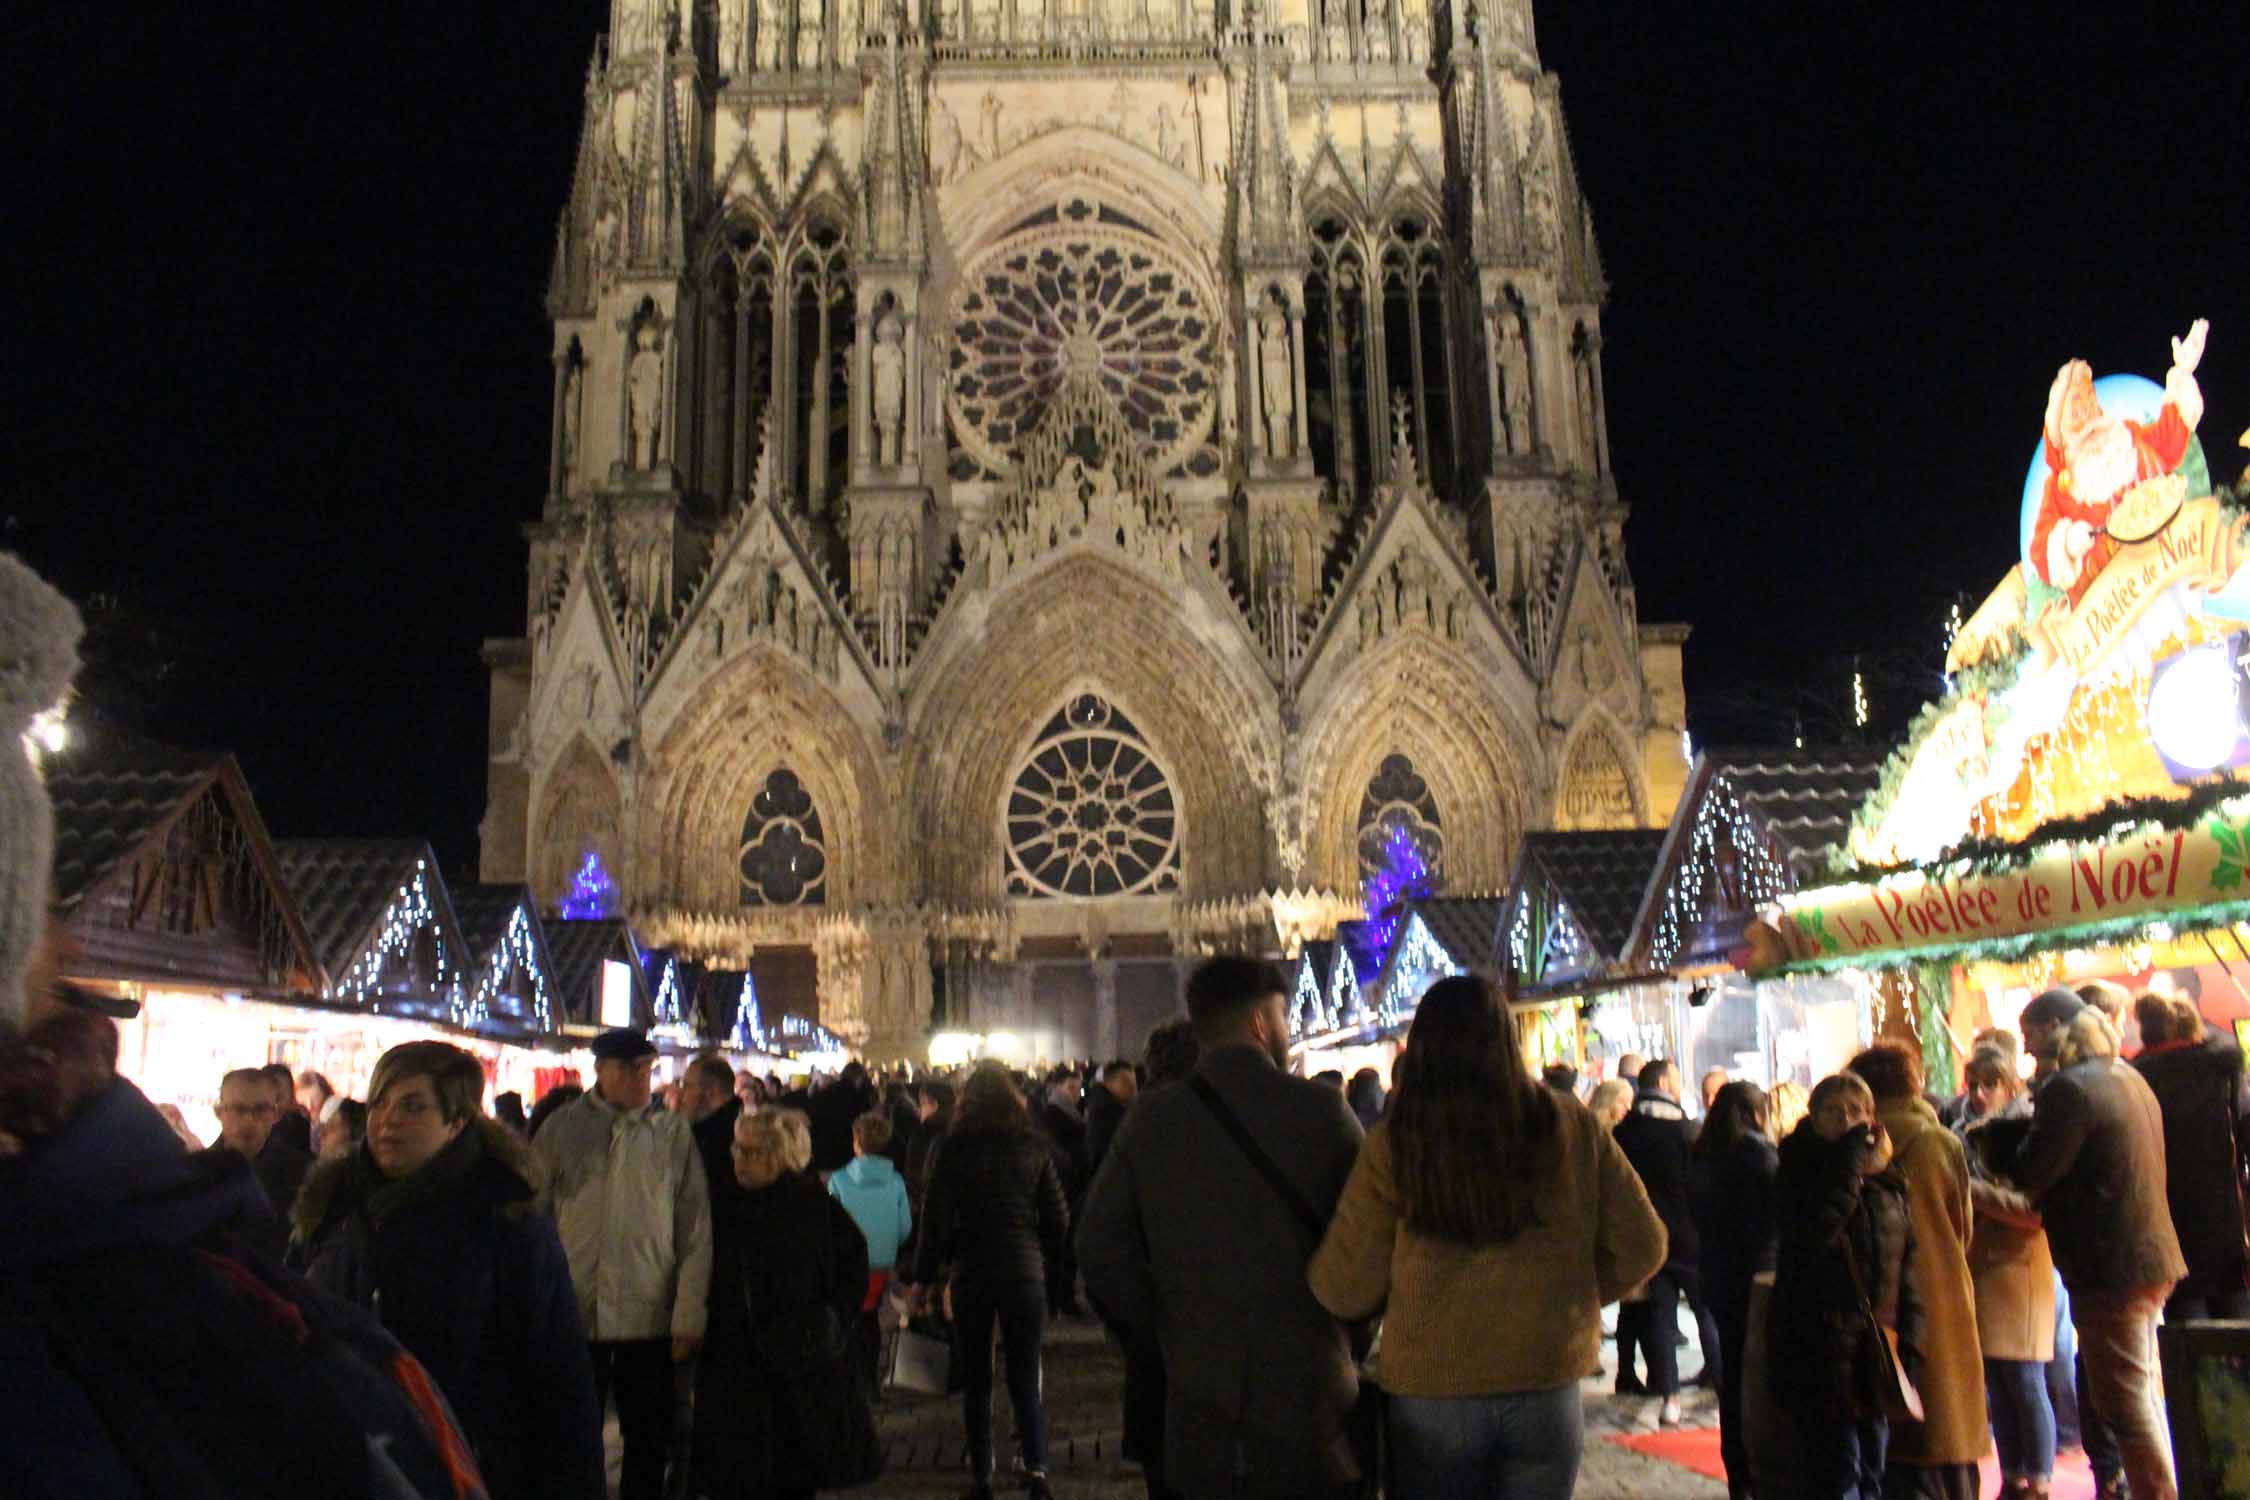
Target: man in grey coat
{"x":1186,"y":1244}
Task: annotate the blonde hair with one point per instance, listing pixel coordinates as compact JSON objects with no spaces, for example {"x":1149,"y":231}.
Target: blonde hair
{"x":1607,"y":1095}
{"x":785,"y":1134}
{"x":1787,"y":1105}
{"x":2090,"y":1035}
{"x":1841,"y":1083}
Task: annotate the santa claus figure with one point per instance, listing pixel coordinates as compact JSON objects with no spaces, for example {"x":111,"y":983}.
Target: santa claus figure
{"x":2095,"y":459}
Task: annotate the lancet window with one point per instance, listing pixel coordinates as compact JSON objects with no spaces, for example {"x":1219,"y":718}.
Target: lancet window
{"x":740,"y":373}
{"x":1398,"y":797}
{"x":1365,"y":342}
{"x":784,"y":857}
{"x":1091,"y":812}
{"x":820,"y":347}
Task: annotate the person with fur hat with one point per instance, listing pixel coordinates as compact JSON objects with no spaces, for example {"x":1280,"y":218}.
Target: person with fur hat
{"x":433,"y":1225}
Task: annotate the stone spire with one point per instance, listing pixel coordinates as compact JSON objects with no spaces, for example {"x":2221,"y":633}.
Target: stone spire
{"x":570,"y":282}
{"x":891,"y":173}
{"x":1265,"y":178}
{"x":660,"y":209}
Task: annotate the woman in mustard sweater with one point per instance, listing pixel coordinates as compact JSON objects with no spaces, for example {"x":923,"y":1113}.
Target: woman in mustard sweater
{"x":1488,"y":1220}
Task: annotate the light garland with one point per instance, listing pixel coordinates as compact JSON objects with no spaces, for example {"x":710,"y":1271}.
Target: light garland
{"x":1420,"y":962}
{"x":410,"y":912}
{"x":1401,"y":876}
{"x":1763,"y":877}
{"x":668,"y":994}
{"x":1347,"y":1004}
{"x":749,"y":1032}
{"x":514,"y":952}
{"x":1306,"y":1014}
{"x":593,"y":895}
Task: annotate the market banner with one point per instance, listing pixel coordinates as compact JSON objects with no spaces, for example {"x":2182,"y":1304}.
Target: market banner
{"x":2200,"y":545}
{"x":2066,"y":885}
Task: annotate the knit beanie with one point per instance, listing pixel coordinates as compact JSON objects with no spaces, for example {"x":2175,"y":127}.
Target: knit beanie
{"x":39,"y":632}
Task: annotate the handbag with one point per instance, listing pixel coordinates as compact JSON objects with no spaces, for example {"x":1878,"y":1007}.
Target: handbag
{"x":919,"y":1362}
{"x":1364,"y":1427}
{"x":1899,"y":1396}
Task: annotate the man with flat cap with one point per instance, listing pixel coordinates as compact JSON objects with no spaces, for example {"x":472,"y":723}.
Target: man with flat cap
{"x":625,"y":1184}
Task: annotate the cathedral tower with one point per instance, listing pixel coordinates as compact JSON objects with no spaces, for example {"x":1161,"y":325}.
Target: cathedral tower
{"x":1040,"y":487}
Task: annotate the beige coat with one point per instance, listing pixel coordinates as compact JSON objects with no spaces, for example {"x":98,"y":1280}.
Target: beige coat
{"x":627,"y":1193}
{"x":1951,"y":1380}
{"x":1488,"y":1320}
{"x":2014,"y":1276}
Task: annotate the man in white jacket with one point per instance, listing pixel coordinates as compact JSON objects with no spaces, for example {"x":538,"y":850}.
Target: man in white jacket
{"x":625,"y":1185}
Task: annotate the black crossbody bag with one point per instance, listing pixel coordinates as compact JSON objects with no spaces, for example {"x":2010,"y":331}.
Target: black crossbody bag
{"x":1364,"y":1427}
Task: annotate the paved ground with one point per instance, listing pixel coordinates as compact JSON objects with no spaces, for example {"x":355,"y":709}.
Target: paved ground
{"x":1085,"y":1374}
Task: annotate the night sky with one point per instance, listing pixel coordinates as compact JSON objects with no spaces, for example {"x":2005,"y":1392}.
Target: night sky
{"x":277,"y":391}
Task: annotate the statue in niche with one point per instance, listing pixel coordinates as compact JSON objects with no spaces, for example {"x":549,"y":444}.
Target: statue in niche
{"x":1414,"y":41}
{"x":1588,"y":417}
{"x":573,"y":397}
{"x":605,"y":236}
{"x":1515,"y":380}
{"x":808,"y":46}
{"x":1299,"y":39}
{"x":1227,"y":392}
{"x":1170,"y":145}
{"x":1339,"y":38}
{"x":733,"y":17}
{"x":888,"y":359}
{"x":1378,"y":40}
{"x":644,"y":396}
{"x":1539,"y":184}
{"x":770,"y":32}
{"x":1277,"y":389}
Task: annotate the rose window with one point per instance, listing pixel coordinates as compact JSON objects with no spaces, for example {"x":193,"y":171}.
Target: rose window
{"x":784,"y":859}
{"x":1084,"y":295}
{"x":1091,"y":812}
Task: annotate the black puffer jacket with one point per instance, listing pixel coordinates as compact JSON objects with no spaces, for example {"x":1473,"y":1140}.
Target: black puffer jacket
{"x":1732,"y":1197}
{"x":1833,"y":1221}
{"x":993,"y":1210}
{"x":1656,"y":1138}
{"x":2199,"y":1087}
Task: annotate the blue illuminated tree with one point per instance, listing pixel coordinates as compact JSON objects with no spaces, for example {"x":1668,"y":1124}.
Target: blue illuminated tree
{"x":593,"y":895}
{"x":1400,"y":878}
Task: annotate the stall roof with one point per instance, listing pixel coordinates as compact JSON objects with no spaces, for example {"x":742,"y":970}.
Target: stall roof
{"x":345,"y":886}
{"x":1601,"y":875}
{"x":1795,"y":806}
{"x":119,"y":804}
{"x":1466,"y":927}
{"x":486,"y":913}
{"x":579,"y":947}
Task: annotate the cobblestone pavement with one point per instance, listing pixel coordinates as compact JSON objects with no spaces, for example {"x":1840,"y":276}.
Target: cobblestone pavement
{"x":1085,"y":1374}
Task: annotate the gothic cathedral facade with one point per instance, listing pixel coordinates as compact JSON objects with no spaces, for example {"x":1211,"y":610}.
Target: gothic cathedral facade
{"x":1041,"y":488}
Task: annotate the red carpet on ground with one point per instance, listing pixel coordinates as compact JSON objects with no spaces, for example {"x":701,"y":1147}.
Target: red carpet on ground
{"x":1697,"y":1448}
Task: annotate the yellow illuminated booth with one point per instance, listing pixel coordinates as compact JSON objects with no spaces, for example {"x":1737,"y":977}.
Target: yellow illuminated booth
{"x":2072,"y":808}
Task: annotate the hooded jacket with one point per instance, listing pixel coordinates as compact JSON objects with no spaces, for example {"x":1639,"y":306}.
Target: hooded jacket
{"x":627,"y":1192}
{"x":874,"y":1195}
{"x":147,"y":1353}
{"x":459,"y":1264}
{"x":1656,"y":1138}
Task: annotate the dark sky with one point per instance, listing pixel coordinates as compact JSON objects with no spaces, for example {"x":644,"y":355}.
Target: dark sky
{"x":278,"y":387}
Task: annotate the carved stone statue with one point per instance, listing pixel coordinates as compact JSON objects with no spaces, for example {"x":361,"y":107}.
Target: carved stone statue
{"x":733,"y":21}
{"x":572,"y":399}
{"x":1414,"y":41}
{"x":1339,"y":37}
{"x":1167,"y":135}
{"x":1589,"y":418}
{"x":1539,"y":185}
{"x":769,"y":39}
{"x":644,"y":396}
{"x":1277,"y":389}
{"x":888,"y":360}
{"x":1515,"y":381}
{"x":1378,"y":35}
{"x":808,"y":45}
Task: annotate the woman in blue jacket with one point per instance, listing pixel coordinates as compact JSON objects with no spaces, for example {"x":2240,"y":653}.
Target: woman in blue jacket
{"x":873,"y":1193}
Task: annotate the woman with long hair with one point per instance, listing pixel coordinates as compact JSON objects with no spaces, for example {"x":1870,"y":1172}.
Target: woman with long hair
{"x":1731,"y":1172}
{"x":993,"y":1215}
{"x":2013,"y":1273}
{"x":1489,"y":1218}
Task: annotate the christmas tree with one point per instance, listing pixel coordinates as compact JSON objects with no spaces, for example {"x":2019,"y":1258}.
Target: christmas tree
{"x":1401,"y":878}
{"x":593,"y":895}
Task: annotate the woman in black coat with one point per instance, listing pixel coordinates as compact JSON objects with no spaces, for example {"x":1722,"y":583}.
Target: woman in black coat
{"x":994,"y":1213}
{"x":432,"y":1225}
{"x":1843,"y":1227}
{"x":1730,"y":1194}
{"x":2198,"y":1083}
{"x":781,"y":1248}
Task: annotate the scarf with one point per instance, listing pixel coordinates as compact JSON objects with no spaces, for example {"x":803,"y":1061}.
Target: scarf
{"x":379,"y":1197}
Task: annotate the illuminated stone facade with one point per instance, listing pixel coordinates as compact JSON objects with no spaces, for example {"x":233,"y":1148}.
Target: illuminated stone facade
{"x":1034,"y":485}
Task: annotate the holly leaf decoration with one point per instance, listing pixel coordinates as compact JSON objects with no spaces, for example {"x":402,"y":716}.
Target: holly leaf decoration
{"x":2234,"y":851}
{"x":1814,"y":926}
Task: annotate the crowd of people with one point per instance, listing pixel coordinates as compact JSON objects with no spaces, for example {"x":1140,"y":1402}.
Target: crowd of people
{"x":1887,"y":1285}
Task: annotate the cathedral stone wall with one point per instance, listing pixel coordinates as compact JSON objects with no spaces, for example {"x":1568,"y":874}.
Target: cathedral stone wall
{"x":1040,"y":488}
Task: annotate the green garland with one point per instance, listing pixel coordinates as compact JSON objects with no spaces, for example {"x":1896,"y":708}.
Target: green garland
{"x":1933,"y":1013}
{"x":1984,"y":678}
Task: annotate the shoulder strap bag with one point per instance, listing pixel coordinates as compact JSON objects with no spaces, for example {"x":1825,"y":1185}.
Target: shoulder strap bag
{"x":1896,"y":1387}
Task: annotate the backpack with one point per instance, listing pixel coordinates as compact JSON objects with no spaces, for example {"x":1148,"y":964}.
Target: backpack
{"x":217,"y":1375}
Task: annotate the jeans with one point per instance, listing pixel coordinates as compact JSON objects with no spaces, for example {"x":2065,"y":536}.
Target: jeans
{"x":2023,"y":1423}
{"x":1840,"y":1460}
{"x":1020,"y":1310}
{"x":2062,"y":1374}
{"x":2117,"y":1339}
{"x":1654,"y":1325}
{"x":1523,"y":1446}
{"x":640,"y":1372}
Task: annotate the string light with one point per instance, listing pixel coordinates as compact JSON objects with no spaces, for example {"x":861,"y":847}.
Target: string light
{"x":1859,"y":700}
{"x":1347,"y":1005}
{"x":749,"y":1030}
{"x":515,"y":953}
{"x":1421,"y":961}
{"x":1400,"y":877}
{"x":593,"y":895}
{"x":668,"y":994}
{"x":1723,"y":831}
{"x":410,"y":913}
{"x":1305,"y":1013}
